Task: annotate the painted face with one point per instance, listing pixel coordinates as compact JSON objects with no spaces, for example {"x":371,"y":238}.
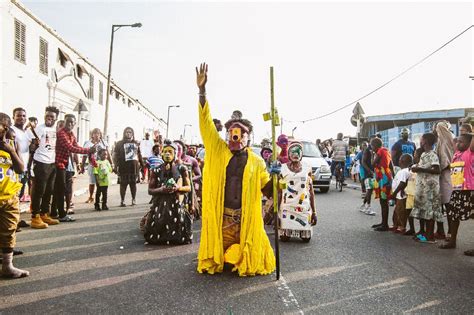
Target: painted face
{"x":295,"y":153}
{"x":192,"y":151}
{"x":50,"y":119}
{"x":168,"y":154}
{"x":282,"y":141}
{"x":237,"y":138}
{"x":266,"y":154}
{"x":180,"y":150}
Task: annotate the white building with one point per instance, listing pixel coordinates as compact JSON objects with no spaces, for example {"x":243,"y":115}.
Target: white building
{"x":38,"y":68}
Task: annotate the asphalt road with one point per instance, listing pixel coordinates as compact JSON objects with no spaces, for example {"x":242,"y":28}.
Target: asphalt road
{"x":100,"y":264}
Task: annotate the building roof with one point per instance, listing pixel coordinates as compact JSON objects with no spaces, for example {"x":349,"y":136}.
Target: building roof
{"x":424,"y":115}
{"x":22,"y":7}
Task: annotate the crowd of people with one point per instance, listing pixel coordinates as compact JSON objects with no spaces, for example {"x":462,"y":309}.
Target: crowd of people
{"x":235,"y":197}
{"x":425,"y":184}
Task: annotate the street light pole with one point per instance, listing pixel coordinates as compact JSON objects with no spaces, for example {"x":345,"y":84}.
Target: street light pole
{"x":115,"y":28}
{"x":184,"y":132}
{"x":293,"y":131}
{"x":168,"y":119}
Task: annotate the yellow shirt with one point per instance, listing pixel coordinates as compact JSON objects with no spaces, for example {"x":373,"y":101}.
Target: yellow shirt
{"x":9,"y":183}
{"x":254,"y":255}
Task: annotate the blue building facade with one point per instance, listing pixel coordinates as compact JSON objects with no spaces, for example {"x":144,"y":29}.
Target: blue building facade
{"x":389,"y":126}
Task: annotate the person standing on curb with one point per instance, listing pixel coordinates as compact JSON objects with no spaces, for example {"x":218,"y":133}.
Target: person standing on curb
{"x":43,"y":144}
{"x":66,"y":145}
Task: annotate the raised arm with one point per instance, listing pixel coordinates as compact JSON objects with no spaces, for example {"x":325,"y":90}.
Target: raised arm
{"x":201,"y":80}
{"x":210,"y":136}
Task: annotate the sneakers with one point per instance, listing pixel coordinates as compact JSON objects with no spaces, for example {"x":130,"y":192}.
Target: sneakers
{"x":48,"y":220}
{"x":369,"y":211}
{"x":97,"y":207}
{"x":361,"y":208}
{"x":67,"y":218}
{"x":37,"y":223}
{"x":104,"y":207}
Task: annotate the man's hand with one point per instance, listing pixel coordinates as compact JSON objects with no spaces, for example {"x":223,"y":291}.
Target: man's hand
{"x":5,"y":146}
{"x":275,"y":168}
{"x":314,"y":219}
{"x":34,"y":145}
{"x":201,"y":77}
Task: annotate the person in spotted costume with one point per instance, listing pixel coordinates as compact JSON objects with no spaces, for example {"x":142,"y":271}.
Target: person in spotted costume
{"x":168,"y":221}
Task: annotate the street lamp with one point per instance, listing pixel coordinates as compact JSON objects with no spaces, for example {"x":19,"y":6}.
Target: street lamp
{"x":293,"y":131}
{"x":184,"y":132}
{"x":115,"y":28}
{"x":168,"y":119}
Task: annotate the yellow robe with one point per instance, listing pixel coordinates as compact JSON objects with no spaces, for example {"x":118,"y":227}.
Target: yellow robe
{"x":254,"y":255}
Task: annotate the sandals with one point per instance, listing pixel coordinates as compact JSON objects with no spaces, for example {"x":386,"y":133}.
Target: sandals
{"x":422,"y":239}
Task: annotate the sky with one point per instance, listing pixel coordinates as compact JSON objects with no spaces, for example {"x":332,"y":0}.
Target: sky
{"x":325,"y":55}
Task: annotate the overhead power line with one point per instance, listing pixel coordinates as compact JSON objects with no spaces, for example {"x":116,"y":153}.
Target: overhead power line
{"x":386,"y":83}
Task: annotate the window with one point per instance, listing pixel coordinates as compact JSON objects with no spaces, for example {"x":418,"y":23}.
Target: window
{"x":91,"y":87}
{"x":43,"y":56}
{"x":101,"y":93}
{"x":81,"y":71}
{"x":63,"y":57}
{"x":20,"y":41}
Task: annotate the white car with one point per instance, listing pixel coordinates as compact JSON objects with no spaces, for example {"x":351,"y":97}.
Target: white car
{"x":321,"y":172}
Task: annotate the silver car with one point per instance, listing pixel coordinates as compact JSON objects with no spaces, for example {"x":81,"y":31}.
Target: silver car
{"x":321,"y":172}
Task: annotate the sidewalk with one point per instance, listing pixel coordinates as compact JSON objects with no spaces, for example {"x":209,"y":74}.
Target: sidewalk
{"x":81,"y":187}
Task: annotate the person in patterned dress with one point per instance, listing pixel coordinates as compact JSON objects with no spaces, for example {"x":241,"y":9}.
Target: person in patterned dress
{"x":427,"y":194}
{"x":168,"y":221}
{"x":383,"y":168}
{"x":297,"y":212}
{"x":461,"y":204}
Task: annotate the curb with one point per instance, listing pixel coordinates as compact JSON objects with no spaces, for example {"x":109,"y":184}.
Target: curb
{"x":25,"y":206}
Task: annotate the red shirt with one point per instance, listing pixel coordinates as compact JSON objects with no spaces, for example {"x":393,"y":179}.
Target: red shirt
{"x":65,"y":145}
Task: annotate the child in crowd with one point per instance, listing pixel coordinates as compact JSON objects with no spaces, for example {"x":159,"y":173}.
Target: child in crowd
{"x":102,"y":175}
{"x":367,"y":176}
{"x":410,"y":191}
{"x":10,"y":166}
{"x":462,"y":198}
{"x":400,"y":182}
{"x":383,"y":180}
{"x":427,"y":195}
{"x":155,"y":160}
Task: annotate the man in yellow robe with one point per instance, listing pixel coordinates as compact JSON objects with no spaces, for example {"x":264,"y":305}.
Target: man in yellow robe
{"x":233,"y":181}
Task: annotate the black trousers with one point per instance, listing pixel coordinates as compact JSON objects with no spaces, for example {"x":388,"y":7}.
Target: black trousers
{"x":67,"y":190}
{"x":60,"y":192}
{"x":101,"y":190}
{"x":43,"y":187}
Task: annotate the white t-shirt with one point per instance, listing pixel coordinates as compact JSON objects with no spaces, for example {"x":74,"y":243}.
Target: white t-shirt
{"x":402,"y":175}
{"x":46,"y":152}
{"x":146,"y":148}
{"x":101,"y":145}
{"x":23,"y":142}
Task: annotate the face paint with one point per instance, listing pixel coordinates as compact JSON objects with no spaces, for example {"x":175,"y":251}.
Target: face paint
{"x":237,"y":138}
{"x":282,"y":141}
{"x":266,"y":154}
{"x":168,"y":154}
{"x":179,"y":150}
{"x":295,"y":153}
